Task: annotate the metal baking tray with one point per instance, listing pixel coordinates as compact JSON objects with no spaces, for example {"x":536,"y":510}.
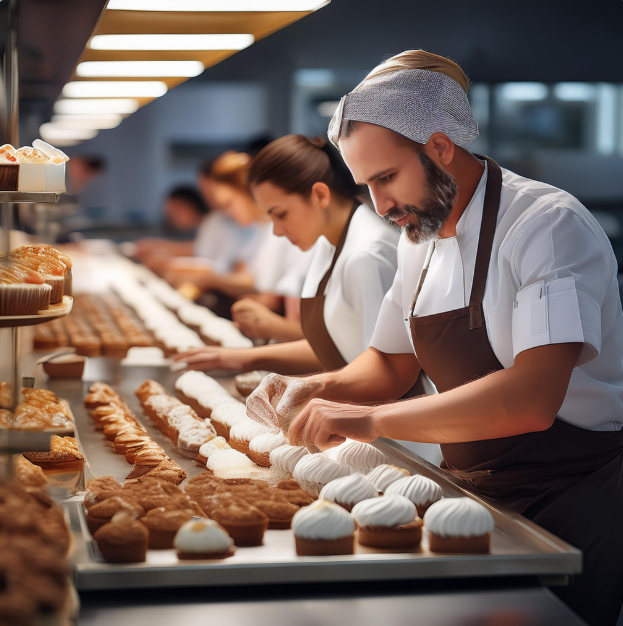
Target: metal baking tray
{"x":519,"y":547}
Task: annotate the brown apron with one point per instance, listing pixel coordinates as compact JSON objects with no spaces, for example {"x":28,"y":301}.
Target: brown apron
{"x":566,"y":479}
{"x":312,"y":314}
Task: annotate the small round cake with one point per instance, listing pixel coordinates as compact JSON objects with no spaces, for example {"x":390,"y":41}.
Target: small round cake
{"x":283,"y":459}
{"x":420,"y":490}
{"x":261,"y":446}
{"x":459,"y":525}
{"x":123,"y":539}
{"x":245,"y":523}
{"x":384,"y":475}
{"x":203,"y":539}
{"x":361,"y":457}
{"x":102,"y":512}
{"x":349,"y":490}
{"x":388,"y":522}
{"x":240,"y":434}
{"x":163,"y":526}
{"x":323,"y":529}
{"x":314,"y":471}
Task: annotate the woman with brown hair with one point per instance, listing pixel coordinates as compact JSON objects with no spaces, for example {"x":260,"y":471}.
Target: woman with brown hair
{"x":305,"y":188}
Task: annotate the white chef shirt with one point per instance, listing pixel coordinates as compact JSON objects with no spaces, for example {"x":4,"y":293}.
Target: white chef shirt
{"x":552,"y":279}
{"x":361,"y":277}
{"x":278,"y":266}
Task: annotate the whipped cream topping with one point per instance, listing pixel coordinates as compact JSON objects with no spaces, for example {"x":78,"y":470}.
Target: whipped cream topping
{"x":181,"y":417}
{"x":322,"y":520}
{"x":202,"y":388}
{"x":247,"y":429}
{"x":202,"y":536}
{"x":163,"y":403}
{"x":362,"y":457}
{"x":267,"y":442}
{"x":384,"y":475}
{"x":458,"y":517}
{"x":319,"y":470}
{"x":195,"y":435}
{"x":228,"y":458}
{"x":386,"y":511}
{"x":349,"y":490}
{"x":419,"y":489}
{"x":214,"y":445}
{"x":229,"y":412}
{"x":284,"y":458}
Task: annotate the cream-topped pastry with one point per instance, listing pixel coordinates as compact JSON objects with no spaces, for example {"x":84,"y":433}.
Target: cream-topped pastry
{"x":191,"y":439}
{"x":261,"y":446}
{"x":361,"y":457}
{"x":203,"y":539}
{"x":314,"y":471}
{"x":283,"y":459}
{"x":248,"y":382}
{"x":224,"y":459}
{"x":384,"y":475}
{"x":458,"y":517}
{"x":322,"y":529}
{"x":225,"y":413}
{"x":210,"y":447}
{"x":349,"y":490}
{"x":241,"y":433}
{"x":420,"y":490}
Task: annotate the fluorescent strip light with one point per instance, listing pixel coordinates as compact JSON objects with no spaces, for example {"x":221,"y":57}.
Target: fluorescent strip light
{"x":185,"y":69}
{"x":51,"y":132}
{"x":574,"y":91}
{"x":172,"y":42}
{"x":524,"y":92}
{"x":124,"y":106}
{"x":99,"y":122}
{"x":216,"y":5}
{"x":115,"y":89}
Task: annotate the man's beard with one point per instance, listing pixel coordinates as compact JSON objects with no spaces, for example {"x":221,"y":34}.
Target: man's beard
{"x":441,"y":192}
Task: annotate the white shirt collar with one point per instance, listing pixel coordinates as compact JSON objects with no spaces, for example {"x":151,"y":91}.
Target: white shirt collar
{"x":473,"y":212}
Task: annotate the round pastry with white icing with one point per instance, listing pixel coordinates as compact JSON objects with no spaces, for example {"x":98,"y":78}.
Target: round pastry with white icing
{"x":420,"y":490}
{"x":214,"y":445}
{"x":361,"y":457}
{"x":224,"y":459}
{"x":203,"y":539}
{"x":384,"y":475}
{"x":388,"y":511}
{"x":283,"y":459}
{"x":349,"y":490}
{"x":314,"y":471}
{"x":227,"y":413}
{"x":459,"y":525}
{"x":261,"y":446}
{"x":323,"y":529}
{"x":191,"y":439}
{"x":241,"y":433}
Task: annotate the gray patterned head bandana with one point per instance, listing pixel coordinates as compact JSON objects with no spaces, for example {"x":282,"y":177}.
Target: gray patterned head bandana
{"x":412,"y":103}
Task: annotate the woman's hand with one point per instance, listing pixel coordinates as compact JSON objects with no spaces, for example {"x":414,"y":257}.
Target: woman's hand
{"x":254,"y":320}
{"x":206,"y":359}
{"x":324,"y":424}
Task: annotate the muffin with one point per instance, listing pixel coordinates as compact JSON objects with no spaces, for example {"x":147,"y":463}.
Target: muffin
{"x":459,"y":525}
{"x":226,"y":414}
{"x":190,"y":439}
{"x":240,"y":434}
{"x":388,"y":522}
{"x":102,"y":512}
{"x":314,"y":471}
{"x":384,"y":475}
{"x":245,"y":523}
{"x":348,"y":491}
{"x":283,"y":459}
{"x":323,"y":529}
{"x":247,"y":383}
{"x":278,"y":509}
{"x":360,"y":457}
{"x":163,"y":526}
{"x":420,"y":490}
{"x":203,"y":539}
{"x":261,"y":446}
{"x":123,"y":539}
{"x":23,"y":291}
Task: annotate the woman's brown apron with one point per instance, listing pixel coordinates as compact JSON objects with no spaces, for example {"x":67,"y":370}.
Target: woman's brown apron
{"x":566,"y":479}
{"x":312,"y":314}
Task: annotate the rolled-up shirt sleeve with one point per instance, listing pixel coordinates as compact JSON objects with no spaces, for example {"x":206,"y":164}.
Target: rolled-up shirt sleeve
{"x":562,"y":269}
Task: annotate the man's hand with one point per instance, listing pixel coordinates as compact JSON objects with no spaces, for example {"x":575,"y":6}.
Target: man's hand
{"x":254,"y":319}
{"x":323,"y":424}
{"x":279,"y":398}
{"x":206,"y":359}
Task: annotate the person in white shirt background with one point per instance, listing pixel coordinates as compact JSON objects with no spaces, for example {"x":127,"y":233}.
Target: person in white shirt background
{"x":305,"y":188}
{"x":506,"y":295}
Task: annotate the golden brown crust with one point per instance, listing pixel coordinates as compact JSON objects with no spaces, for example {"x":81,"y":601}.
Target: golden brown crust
{"x":460,"y":545}
{"x":325,"y":547}
{"x":404,"y":536}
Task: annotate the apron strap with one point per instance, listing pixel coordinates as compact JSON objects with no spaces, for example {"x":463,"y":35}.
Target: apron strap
{"x":485,"y":241}
{"x":338,"y":249}
{"x":416,"y":295}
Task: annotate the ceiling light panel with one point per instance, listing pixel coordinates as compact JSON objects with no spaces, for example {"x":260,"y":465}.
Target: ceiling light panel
{"x":51,"y":132}
{"x":221,"y":41}
{"x":102,"y":69}
{"x":115,"y":89}
{"x":216,"y":5}
{"x":123,"y":106}
{"x":99,"y":122}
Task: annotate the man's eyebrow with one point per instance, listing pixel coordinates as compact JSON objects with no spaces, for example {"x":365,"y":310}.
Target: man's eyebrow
{"x":272,"y":208}
{"x":378,"y":175}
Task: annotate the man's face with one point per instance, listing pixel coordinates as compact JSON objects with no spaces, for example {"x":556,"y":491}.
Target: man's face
{"x":407,"y":187}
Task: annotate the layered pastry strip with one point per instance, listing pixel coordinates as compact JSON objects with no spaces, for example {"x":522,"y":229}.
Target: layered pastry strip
{"x":129,"y":437}
{"x":39,"y":409}
{"x":34,"y":542}
{"x":63,"y":456}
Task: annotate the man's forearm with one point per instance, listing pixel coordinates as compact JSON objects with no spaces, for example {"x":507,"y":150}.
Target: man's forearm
{"x":293,"y":358}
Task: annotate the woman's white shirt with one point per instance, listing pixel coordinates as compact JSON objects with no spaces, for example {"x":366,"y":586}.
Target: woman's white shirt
{"x":552,"y":279}
{"x":361,"y":277}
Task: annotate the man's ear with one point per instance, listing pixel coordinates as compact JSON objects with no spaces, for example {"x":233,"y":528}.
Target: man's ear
{"x":442,"y":148}
{"x":321,"y":195}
